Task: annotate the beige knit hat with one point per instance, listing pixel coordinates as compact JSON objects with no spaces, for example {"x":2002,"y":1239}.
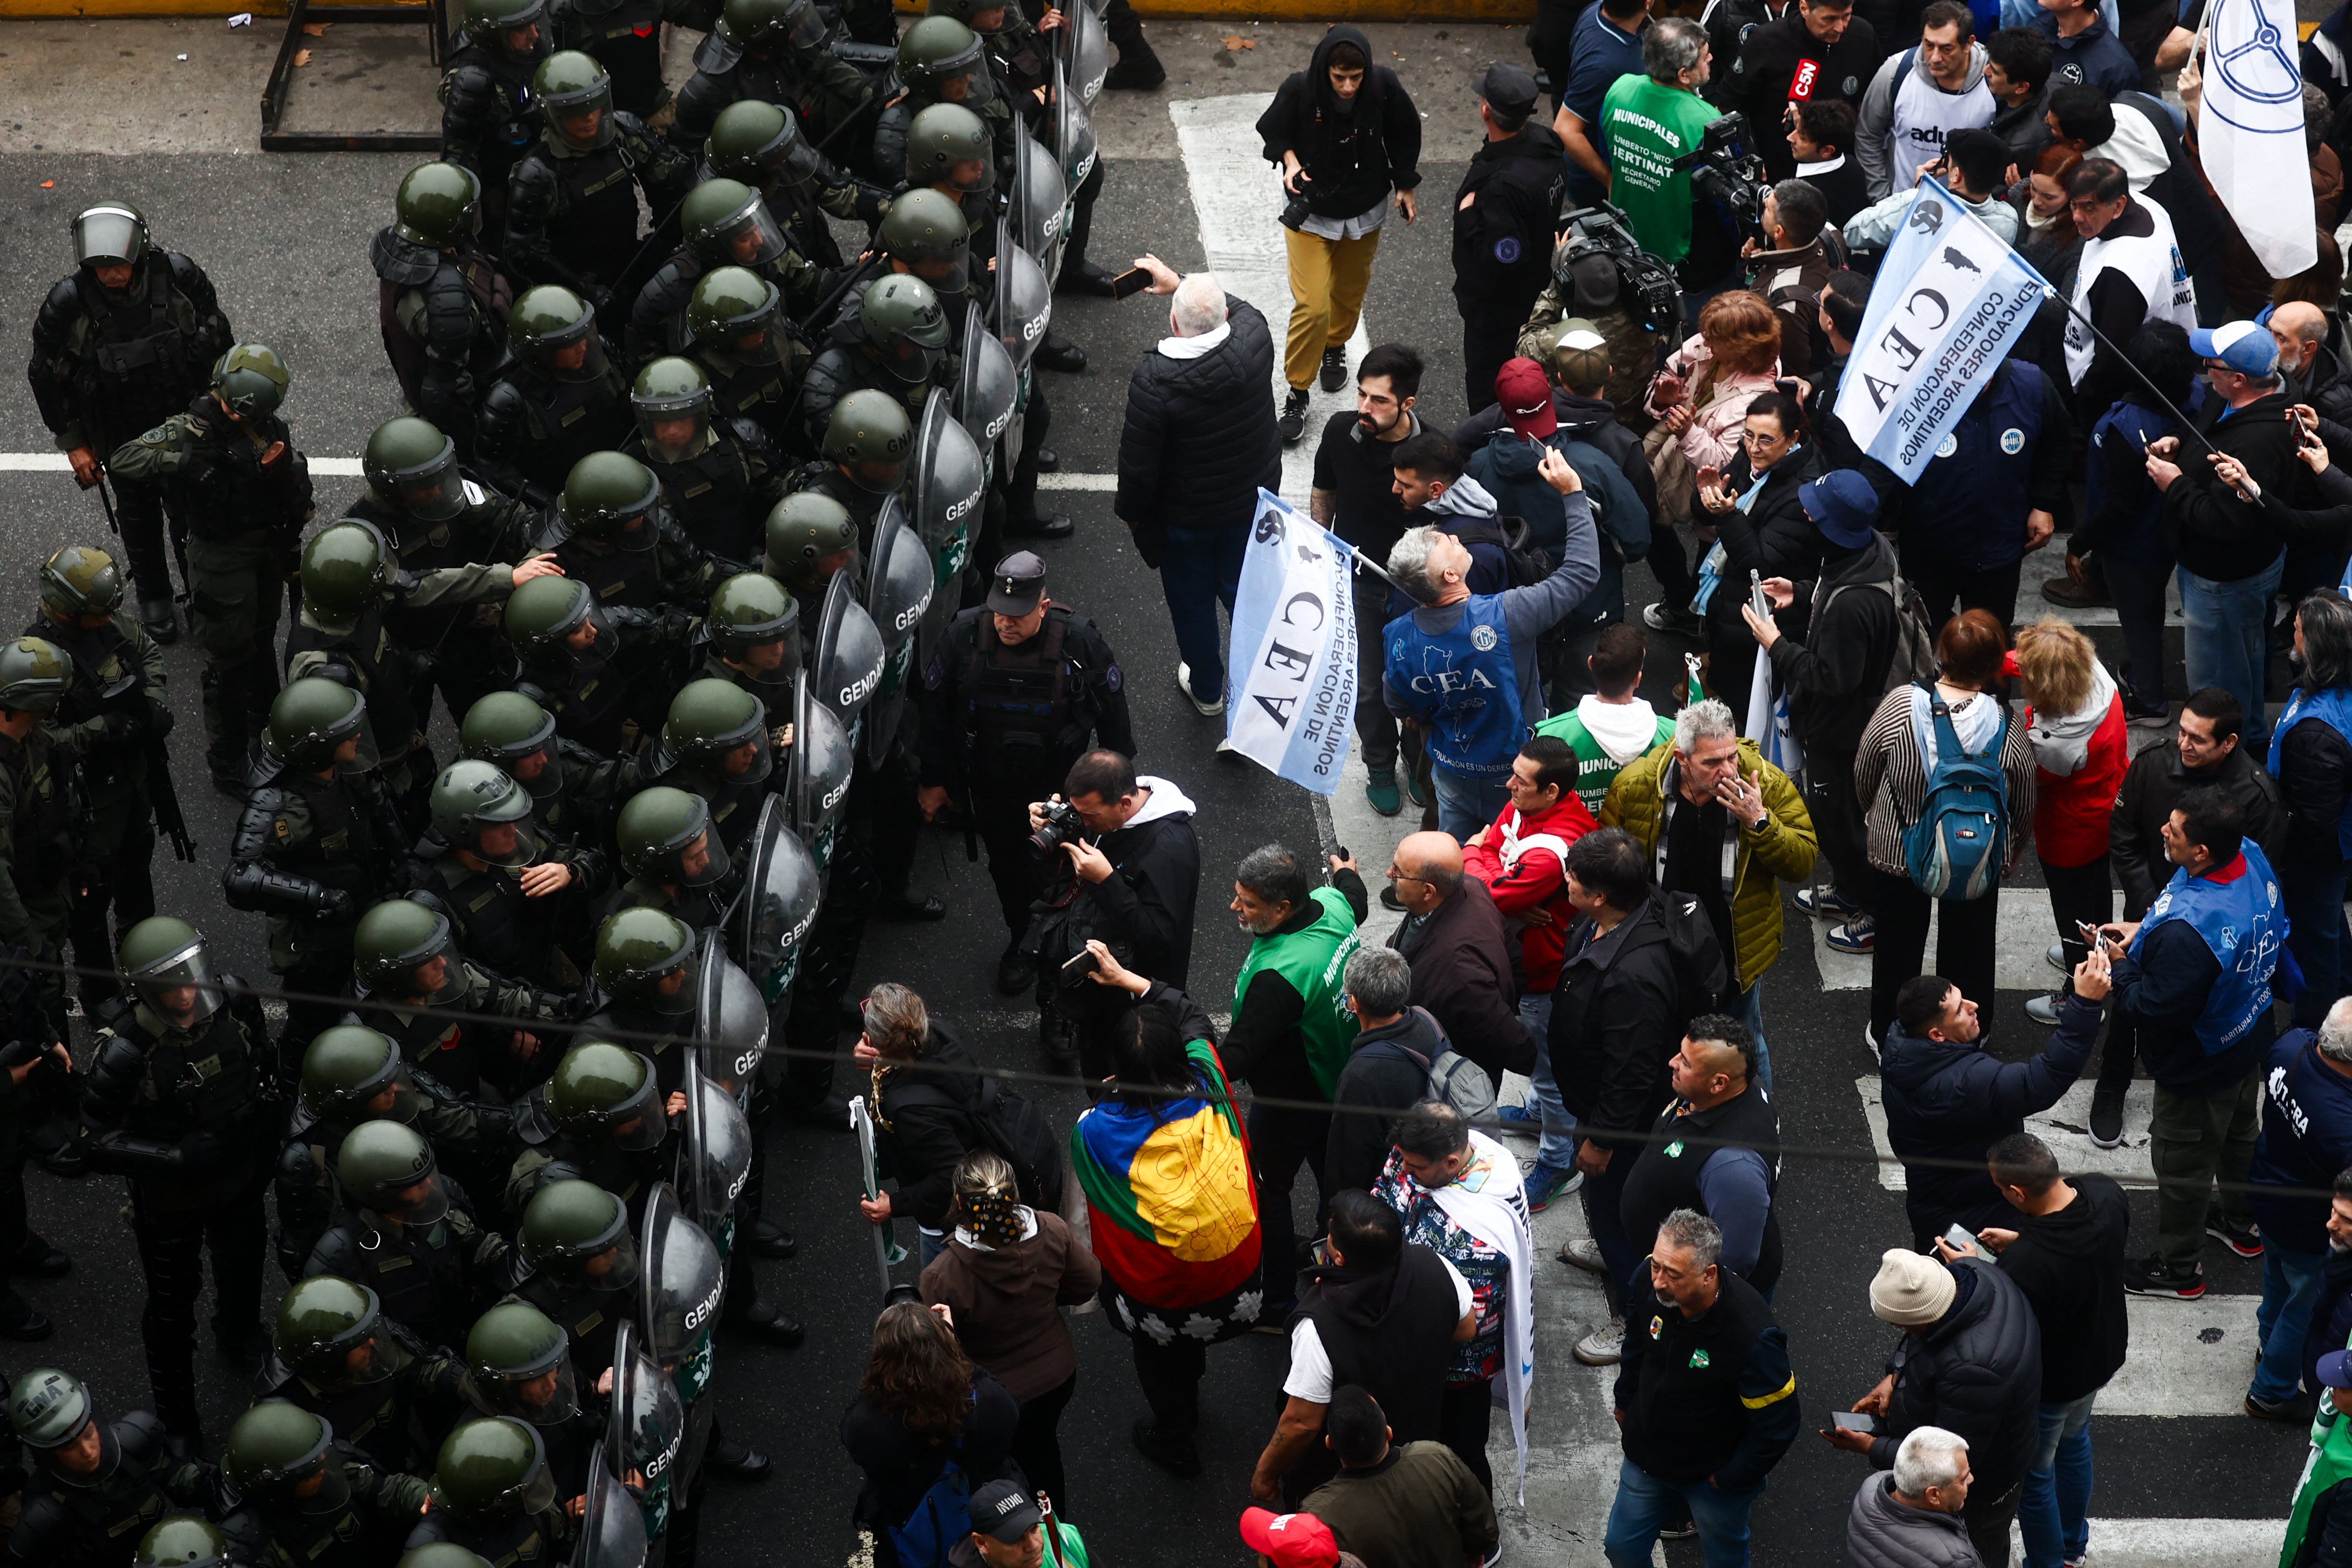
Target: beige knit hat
{"x":1911,"y":1289}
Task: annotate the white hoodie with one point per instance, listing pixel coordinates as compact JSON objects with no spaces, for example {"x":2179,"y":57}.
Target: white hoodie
{"x":1165,"y":800}
{"x":1625,"y":730}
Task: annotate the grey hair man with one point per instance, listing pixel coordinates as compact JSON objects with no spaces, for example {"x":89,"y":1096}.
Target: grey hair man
{"x":1909,"y":1516}
{"x":1385,"y":1075}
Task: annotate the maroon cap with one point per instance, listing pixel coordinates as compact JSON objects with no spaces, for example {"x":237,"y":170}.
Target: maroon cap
{"x":1525,"y":393}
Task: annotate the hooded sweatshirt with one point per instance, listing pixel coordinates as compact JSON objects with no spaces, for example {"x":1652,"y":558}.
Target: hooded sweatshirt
{"x":1523,"y":860}
{"x":1354,"y":153}
{"x":1507,"y":464}
{"x":1905,"y":117}
{"x":1147,"y":899}
{"x":2079,"y":762}
{"x":1606,"y":738}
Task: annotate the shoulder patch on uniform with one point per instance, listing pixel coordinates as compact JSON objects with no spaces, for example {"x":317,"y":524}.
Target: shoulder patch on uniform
{"x":1111,"y":678}
{"x":278,"y":826}
{"x":1506,"y":249}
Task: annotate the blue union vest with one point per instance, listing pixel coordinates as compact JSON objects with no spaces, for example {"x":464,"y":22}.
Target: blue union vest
{"x":2244,"y":927}
{"x":1463,"y":685}
{"x":2332,"y":707}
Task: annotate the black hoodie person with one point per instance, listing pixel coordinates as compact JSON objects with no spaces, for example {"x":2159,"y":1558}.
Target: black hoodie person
{"x":1344,"y":134}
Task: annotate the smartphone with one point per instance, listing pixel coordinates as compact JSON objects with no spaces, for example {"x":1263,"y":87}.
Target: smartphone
{"x":1850,"y":1421}
{"x":1757,"y":597}
{"x":1959,"y":1239}
{"x":1133,"y":281}
{"x":1080,"y":965}
{"x":1786,"y":386}
{"x":2090,"y":933}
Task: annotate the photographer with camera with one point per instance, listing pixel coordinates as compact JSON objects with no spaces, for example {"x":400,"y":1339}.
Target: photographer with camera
{"x":1601,"y":278}
{"x":1789,"y":266}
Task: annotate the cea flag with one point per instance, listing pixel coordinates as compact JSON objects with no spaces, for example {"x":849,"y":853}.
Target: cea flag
{"x":1948,"y":302}
{"x":1291,"y":702}
{"x":2249,"y":129}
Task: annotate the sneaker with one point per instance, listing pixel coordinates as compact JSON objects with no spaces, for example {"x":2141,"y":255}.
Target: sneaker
{"x":1661,"y":618}
{"x":1856,"y":936}
{"x":1177,"y":1455}
{"x":1546,"y":1182}
{"x":2107,"y":1117}
{"x":1527,"y":1117}
{"x":1184,"y":684}
{"x":1416,"y":788}
{"x":1605,"y":1346}
{"x":1824,"y":904}
{"x":1293,"y":423}
{"x":1683,"y":1531}
{"x":2147,"y":716}
{"x":1381,"y":789}
{"x":2054,"y":955}
{"x":1335,"y":369}
{"x":1390,"y":902}
{"x":2155,"y":1277}
{"x":1583,"y":1254}
{"x":2245,"y":1240}
{"x":2294,"y":1410}
{"x":1870,"y":1038}
{"x":2047,"y":1009}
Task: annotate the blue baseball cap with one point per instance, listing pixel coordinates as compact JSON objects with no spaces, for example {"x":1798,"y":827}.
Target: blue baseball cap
{"x":2243,"y":346}
{"x":2335,"y":1370}
{"x":1842,"y":505}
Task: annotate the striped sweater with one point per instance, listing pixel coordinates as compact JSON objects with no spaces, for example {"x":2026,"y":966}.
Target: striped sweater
{"x":1889,"y":774}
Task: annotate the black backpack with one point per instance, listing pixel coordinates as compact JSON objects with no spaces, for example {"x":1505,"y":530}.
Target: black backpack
{"x":1008,"y":1125}
{"x":1700,"y":970}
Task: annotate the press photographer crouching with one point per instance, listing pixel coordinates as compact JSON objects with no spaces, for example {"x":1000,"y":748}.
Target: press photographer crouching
{"x":1124,"y":870}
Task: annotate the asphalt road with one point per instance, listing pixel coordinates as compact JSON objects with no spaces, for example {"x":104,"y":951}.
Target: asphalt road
{"x":285,"y":239}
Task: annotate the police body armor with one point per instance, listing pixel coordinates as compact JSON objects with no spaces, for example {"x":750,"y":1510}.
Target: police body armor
{"x":383,"y":1419}
{"x":540,"y":426}
{"x":626,"y":39}
{"x":96,"y":1526}
{"x":591,"y":202}
{"x":152,"y":1085}
{"x":489,"y":530}
{"x":712,"y":494}
{"x":379,"y":671}
{"x":44,"y":780}
{"x":1021,"y":731}
{"x":418,"y":1272}
{"x":140,"y":366}
{"x":423,"y":295}
{"x":353,"y":1520}
{"x":592,"y":701}
{"x":550,"y":1154}
{"x":103,"y":660}
{"x":589,"y":1316}
{"x":760,"y":393}
{"x":486,"y":99}
{"x":342,"y":846}
{"x":226,"y":491}
{"x":496,"y":926}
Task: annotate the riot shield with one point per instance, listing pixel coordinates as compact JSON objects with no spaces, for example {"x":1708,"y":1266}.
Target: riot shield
{"x":849,"y":654}
{"x":1074,"y":135}
{"x":898,"y":594}
{"x":731,"y":1019}
{"x":612,"y":1526}
{"x":1025,"y":298}
{"x":683,"y":1286}
{"x":1085,"y":45}
{"x":818,"y":777}
{"x":991,"y":384}
{"x":1040,"y":194}
{"x":715,"y":1156}
{"x":645,"y":1430}
{"x":951,"y":489}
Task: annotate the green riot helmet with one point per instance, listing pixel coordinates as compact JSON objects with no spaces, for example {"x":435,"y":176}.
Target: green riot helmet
{"x":555,"y":331}
{"x":251,"y":380}
{"x":405,"y":953}
{"x":352,"y":1073}
{"x":947,"y":145}
{"x":671,"y":400}
{"x":48,"y":1408}
{"x":34,"y":675}
{"x":278,"y":1453}
{"x":311,"y":722}
{"x":182,"y":1541}
{"x":719,"y":730}
{"x":925,"y":233}
{"x":737,"y":313}
{"x":440,"y":1554}
{"x":612,"y":500}
{"x":440,"y":205}
{"x":515,"y":28}
{"x":327,"y":1329}
{"x":664,"y":837}
{"x":972,"y":14}
{"x":493,"y":1467}
{"x":645,"y":958}
{"x":387,"y":1168}
{"x":518,"y":1364}
{"x":551,"y":615}
{"x":576,"y":1232}
{"x":869,"y":434}
{"x":810,"y":536}
{"x":81,"y":580}
{"x":575,"y":93}
{"x":939,"y":61}
{"x":765,"y":26}
{"x":412,"y":468}
{"x":479,"y":809}
{"x":755,"y":626}
{"x":606,"y":1093}
{"x":347,"y":569}
{"x":904,"y":326}
{"x":510,"y":730}
{"x":727,"y":224}
{"x":761,"y":144}
{"x":111,"y":234}
{"x":164,"y":964}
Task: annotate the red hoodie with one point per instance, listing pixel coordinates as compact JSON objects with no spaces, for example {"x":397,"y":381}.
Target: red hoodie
{"x":1525,"y":866}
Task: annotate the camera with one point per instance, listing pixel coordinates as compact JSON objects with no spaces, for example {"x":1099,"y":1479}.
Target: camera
{"x":1293,"y":213}
{"x":1602,"y":231}
{"x":1723,"y":170}
{"x":1063,"y":826}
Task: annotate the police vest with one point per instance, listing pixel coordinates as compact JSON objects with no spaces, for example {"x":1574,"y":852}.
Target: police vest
{"x":1925,"y":115}
{"x":45,"y":842}
{"x":2332,"y":707}
{"x":102,"y":659}
{"x":615,"y":574}
{"x":340,"y":844}
{"x":711,"y":496}
{"x":2150,"y":263}
{"x":1968,"y":511}
{"x":2243,"y":925}
{"x":134,"y":369}
{"x":1018,"y":720}
{"x":367,"y":650}
{"x":593,"y":224}
{"x":1463,"y":684}
{"x":559,"y":422}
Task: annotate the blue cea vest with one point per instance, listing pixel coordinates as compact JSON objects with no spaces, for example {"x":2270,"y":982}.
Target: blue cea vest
{"x":2332,"y":707}
{"x":2243,"y":926}
{"x":1464,"y":686}
{"x":1967,"y":510}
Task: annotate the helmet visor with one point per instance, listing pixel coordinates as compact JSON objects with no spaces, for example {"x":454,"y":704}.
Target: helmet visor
{"x":108,"y":234}
{"x":639,"y":1123}
{"x":750,"y":238}
{"x":419,"y":1203}
{"x":430,"y":975}
{"x":674,"y":427}
{"x":545,"y":1395}
{"x":576,"y":353}
{"x":789,"y":161}
{"x":532,"y":19}
{"x":766,"y":653}
{"x":913,"y":354}
{"x":587,"y":638}
{"x":583,"y":120}
{"x":537,"y":1495}
{"x":672,"y":987}
{"x":757,"y":337}
{"x":513,"y":842}
{"x":181,"y":987}
{"x":391,"y":1096}
{"x":433,"y":491}
{"x":947,"y":269}
{"x":748,"y":755}
{"x":806,"y":25}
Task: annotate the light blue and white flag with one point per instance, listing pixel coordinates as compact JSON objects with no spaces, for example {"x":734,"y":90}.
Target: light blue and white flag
{"x":1290,"y":694}
{"x":1946,"y":306}
{"x":2249,"y":129}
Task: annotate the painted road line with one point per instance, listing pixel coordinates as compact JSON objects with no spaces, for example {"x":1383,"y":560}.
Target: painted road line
{"x":2066,"y":1127}
{"x":2050,"y":565}
{"x":2024,"y":933}
{"x":1077,"y":481}
{"x":2171,"y":1542}
{"x":2187,"y":1358}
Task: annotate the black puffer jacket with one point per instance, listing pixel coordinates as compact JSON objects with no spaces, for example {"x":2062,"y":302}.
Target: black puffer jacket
{"x":1976,"y":1371}
{"x":1352,"y":158}
{"x":925,"y":1109}
{"x":1199,"y":439}
{"x":1616,"y":1021}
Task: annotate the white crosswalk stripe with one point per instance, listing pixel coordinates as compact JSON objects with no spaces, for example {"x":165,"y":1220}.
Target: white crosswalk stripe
{"x":55,"y":463}
{"x":2066,"y":1127}
{"x":2024,"y":933}
{"x":2174,"y":1543}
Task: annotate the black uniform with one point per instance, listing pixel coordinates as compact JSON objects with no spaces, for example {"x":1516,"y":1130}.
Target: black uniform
{"x":1502,"y":248}
{"x":550,"y":1154}
{"x":625,"y":38}
{"x":1759,"y":81}
{"x":535,"y":940}
{"x":672,"y":571}
{"x":460,"y":1052}
{"x":591,"y":1318}
{"x":516,"y":1542}
{"x":534,"y":426}
{"x":371,"y":661}
{"x":849,"y":365}
{"x":763,"y":392}
{"x":443,"y":314}
{"x":572,"y":217}
{"x":821,"y":89}
{"x":489,"y":120}
{"x":465,"y":1137}
{"x":657,"y":317}
{"x":43,"y":820}
{"x":434,"y":1280}
{"x":461,"y":649}
{"x":612,"y":702}
{"x":800,"y":206}
{"x":395,"y":1420}
{"x":720,"y":496}
{"x":106,"y":366}
{"x":702,"y":908}
{"x":187,"y":1116}
{"x":357,"y":1520}
{"x":68,"y":1524}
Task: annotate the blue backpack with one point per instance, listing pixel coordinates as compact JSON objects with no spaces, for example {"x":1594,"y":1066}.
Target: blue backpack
{"x":1955,"y":848}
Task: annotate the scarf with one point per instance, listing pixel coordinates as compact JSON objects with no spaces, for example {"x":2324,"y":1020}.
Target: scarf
{"x":1489,"y":1200}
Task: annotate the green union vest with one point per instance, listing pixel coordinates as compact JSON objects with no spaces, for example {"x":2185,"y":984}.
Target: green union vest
{"x":2326,"y":1465}
{"x":1311,"y":960}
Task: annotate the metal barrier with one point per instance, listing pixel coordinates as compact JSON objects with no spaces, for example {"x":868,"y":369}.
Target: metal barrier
{"x":433,"y":14}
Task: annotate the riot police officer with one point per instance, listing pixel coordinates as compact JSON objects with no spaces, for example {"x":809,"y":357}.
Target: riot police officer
{"x":625,"y":37}
{"x":737,"y":332}
{"x":560,"y":400}
{"x":335,"y":1354}
{"x":601,"y":1117}
{"x":418,"y":988}
{"x":770,"y":51}
{"x":895,"y":342}
{"x":441,"y":302}
{"x":571,"y":201}
{"x":754,"y":641}
{"x":762,"y":145}
{"x":318,"y":841}
{"x":517,"y":905}
{"x":494,"y":1495}
{"x":644,"y":988}
{"x":91,"y":1481}
{"x":611,"y":534}
{"x":518,"y":1364}
{"x":1021,"y":687}
{"x":313,"y":1498}
{"x":811,"y":538}
{"x":576,"y":1241}
{"x":245,"y":493}
{"x":114,"y":717}
{"x":602,"y":674}
{"x":191,"y":1541}
{"x":725,"y":223}
{"x":407,"y":1234}
{"x":571,"y":788}
{"x":31,"y":1046}
{"x":868,"y":440}
{"x":719,"y":477}
{"x":488,"y":119}
{"x":940,"y":61}
{"x":120,"y":347}
{"x":179,"y":1102}
{"x":717,"y":743}
{"x":674,"y":861}
{"x":40,"y":835}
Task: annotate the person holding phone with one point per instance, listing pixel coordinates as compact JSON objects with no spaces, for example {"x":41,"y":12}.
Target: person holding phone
{"x":1756,"y":502}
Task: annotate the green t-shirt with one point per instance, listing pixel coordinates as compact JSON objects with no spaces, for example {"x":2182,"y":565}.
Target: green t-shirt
{"x":1648,"y":126}
{"x":1311,"y":960}
{"x":1596,"y":770}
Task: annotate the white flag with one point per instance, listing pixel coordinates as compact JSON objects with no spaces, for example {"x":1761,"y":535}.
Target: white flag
{"x":1290,"y":700}
{"x":2250,"y":131}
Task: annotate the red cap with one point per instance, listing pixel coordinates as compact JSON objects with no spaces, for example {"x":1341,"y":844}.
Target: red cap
{"x":1525,"y":393}
{"x":1291,"y":1540}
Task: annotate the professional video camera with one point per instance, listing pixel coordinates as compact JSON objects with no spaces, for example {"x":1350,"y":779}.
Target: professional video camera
{"x":1722,"y":170}
{"x":1602,"y":231}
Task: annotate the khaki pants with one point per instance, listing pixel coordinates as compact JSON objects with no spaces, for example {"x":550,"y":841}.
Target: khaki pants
{"x":2192,"y":1139}
{"x":1328,"y":279}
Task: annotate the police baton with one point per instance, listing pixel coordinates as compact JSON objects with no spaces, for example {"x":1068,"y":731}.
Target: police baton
{"x":106,"y":500}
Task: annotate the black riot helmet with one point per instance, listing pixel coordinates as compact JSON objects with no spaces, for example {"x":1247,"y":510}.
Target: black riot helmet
{"x":112,"y":234}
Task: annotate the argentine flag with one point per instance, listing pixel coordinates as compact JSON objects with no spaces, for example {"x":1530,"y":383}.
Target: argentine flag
{"x":1290,"y":693}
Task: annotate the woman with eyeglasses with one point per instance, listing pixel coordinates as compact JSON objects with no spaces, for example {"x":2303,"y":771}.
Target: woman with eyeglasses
{"x":1761,"y":524}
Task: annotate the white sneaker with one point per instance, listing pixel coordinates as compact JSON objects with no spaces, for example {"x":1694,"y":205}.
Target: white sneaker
{"x":1184,"y":685}
{"x":2054,"y":955}
{"x":1585,"y":1254}
{"x":1605,"y":1346}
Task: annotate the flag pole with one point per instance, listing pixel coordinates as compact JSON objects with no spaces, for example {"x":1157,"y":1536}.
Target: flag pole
{"x":2260,"y":497}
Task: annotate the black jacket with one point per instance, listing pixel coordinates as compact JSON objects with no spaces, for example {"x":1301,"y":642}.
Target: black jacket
{"x":924,"y":1110}
{"x":1502,"y":240}
{"x":1384,"y":1083}
{"x":1199,"y":440}
{"x":2212,"y":531}
{"x":2070,"y":1264}
{"x":1759,"y":79}
{"x":2154,"y":785}
{"x":1774,"y":539}
{"x":1976,"y":1372}
{"x":1463,"y":973}
{"x":1592,"y":420}
{"x":1710,"y":1397}
{"x":1352,"y":160}
{"x":900,"y":1467}
{"x":1835,"y":676}
{"x":1616,"y":1021}
{"x":1146,"y":903}
{"x":2315,"y":781}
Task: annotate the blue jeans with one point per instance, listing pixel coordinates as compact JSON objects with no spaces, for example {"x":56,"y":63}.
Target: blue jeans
{"x":1749,"y":1010}
{"x":1557,"y":1149}
{"x":1644,"y":1502}
{"x":1468,"y":801}
{"x":2053,"y":1509}
{"x":932,"y":1243}
{"x":2226,"y":639}
{"x":2315,"y":934}
{"x":1199,"y":570}
{"x":2290,"y":1290}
